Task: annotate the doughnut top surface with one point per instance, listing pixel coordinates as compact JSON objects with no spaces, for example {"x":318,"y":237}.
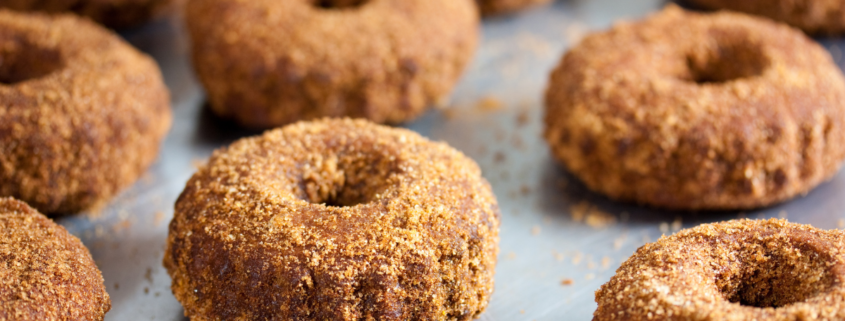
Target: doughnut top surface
{"x":698,"y":111}
{"x":735,"y":270}
{"x":45,"y":273}
{"x":335,"y":219}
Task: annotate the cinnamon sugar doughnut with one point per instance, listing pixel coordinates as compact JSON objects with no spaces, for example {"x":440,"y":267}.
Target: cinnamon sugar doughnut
{"x":112,"y":13}
{"x":496,"y":7}
{"x":45,"y":273}
{"x":82,"y":113}
{"x":698,"y":111}
{"x":812,"y":16}
{"x":334,"y":220}
{"x":736,"y":270}
{"x":266,"y":63}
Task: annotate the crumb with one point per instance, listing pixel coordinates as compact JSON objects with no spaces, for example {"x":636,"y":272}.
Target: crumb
{"x":158,"y":218}
{"x":522,"y":118}
{"x":605,"y":262}
{"x":567,"y":282}
{"x":148,"y":275}
{"x":146,"y":290}
{"x":197,"y":163}
{"x":558,"y":256}
{"x":450,"y":113}
{"x":590,"y":276}
{"x":521,"y":311}
{"x":524,"y":190}
{"x":511,"y":255}
{"x":499,"y":158}
{"x":782,"y":215}
{"x":576,"y":258}
{"x":841,"y":223}
{"x":677,"y":224}
{"x":664,"y":227}
{"x":579,"y":211}
{"x":120,"y":226}
{"x":117,"y":286}
{"x":575,"y":31}
{"x":488,"y":104}
{"x":535,"y":230}
{"x":517,"y":142}
{"x":599,"y":219}
{"x":590,"y":263}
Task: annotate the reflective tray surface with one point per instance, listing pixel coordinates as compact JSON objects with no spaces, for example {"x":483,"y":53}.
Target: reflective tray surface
{"x":559,"y":242}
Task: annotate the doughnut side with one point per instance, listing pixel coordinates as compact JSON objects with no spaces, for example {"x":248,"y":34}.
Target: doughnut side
{"x":691,"y":111}
{"x":812,"y":16}
{"x":268,"y":63}
{"x":735,"y":270}
{"x":338,"y":220}
{"x":72,"y":135}
{"x":47,"y":274}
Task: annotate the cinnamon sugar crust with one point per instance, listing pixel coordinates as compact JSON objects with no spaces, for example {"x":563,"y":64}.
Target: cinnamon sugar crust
{"x":82,"y":113}
{"x":812,"y":16}
{"x":46,"y":273}
{"x":334,"y":220}
{"x":112,"y":13}
{"x":266,"y":63}
{"x":698,"y":111}
{"x":498,"y":7}
{"x":735,"y":270}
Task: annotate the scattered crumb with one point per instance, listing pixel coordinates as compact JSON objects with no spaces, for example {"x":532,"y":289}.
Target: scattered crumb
{"x":619,"y":241}
{"x":120,"y":226}
{"x":117,"y":286}
{"x":841,"y":223}
{"x":590,"y":263}
{"x":158,"y":218}
{"x":524,"y":190}
{"x":599,"y":219}
{"x":567,"y":282}
{"x":535,"y":230}
{"x":521,"y":311}
{"x":146,"y":290}
{"x":605,"y":262}
{"x":558,"y":256}
{"x":488,"y":104}
{"x":782,"y":215}
{"x":579,"y":211}
{"x":575,"y":31}
{"x":590,"y":276}
{"x":450,"y":113}
{"x":522,"y":118}
{"x":677,"y":224}
{"x":664,"y":227}
{"x":148,"y":275}
{"x":576,"y":258}
{"x":98,"y":231}
{"x":499,"y":157}
{"x":511,"y":255}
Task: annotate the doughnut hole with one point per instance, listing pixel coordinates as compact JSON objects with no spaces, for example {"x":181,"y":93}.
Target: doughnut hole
{"x":21,"y":60}
{"x":338,"y":4}
{"x":775,"y":271}
{"x":347,"y":178}
{"x":731,"y":58}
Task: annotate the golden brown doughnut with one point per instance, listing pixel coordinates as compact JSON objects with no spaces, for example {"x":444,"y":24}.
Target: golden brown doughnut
{"x":698,"y":111}
{"x":112,"y":13}
{"x":82,"y":113}
{"x":267,"y":63}
{"x":812,"y":16}
{"x":496,"y":7}
{"x":45,"y":273}
{"x":736,"y":270}
{"x":334,"y":220}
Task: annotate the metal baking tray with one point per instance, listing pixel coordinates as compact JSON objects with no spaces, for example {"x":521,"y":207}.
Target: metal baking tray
{"x":559,"y":242}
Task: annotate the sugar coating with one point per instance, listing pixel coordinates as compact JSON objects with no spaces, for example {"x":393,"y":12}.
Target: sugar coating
{"x":112,"y":13}
{"x":698,"y":111}
{"x":812,"y":16}
{"x":45,"y":273}
{"x":735,"y":270}
{"x":334,"y":220}
{"x":82,"y":113}
{"x":496,"y":7}
{"x":267,"y":63}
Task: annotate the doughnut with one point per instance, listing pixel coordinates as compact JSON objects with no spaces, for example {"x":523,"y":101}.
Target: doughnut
{"x":497,"y":7}
{"x":112,"y":13}
{"x":47,"y":274}
{"x":82,"y":113}
{"x":334,"y":220}
{"x":812,"y":16}
{"x":735,"y":270}
{"x":696,"y":111}
{"x":383,"y":60}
